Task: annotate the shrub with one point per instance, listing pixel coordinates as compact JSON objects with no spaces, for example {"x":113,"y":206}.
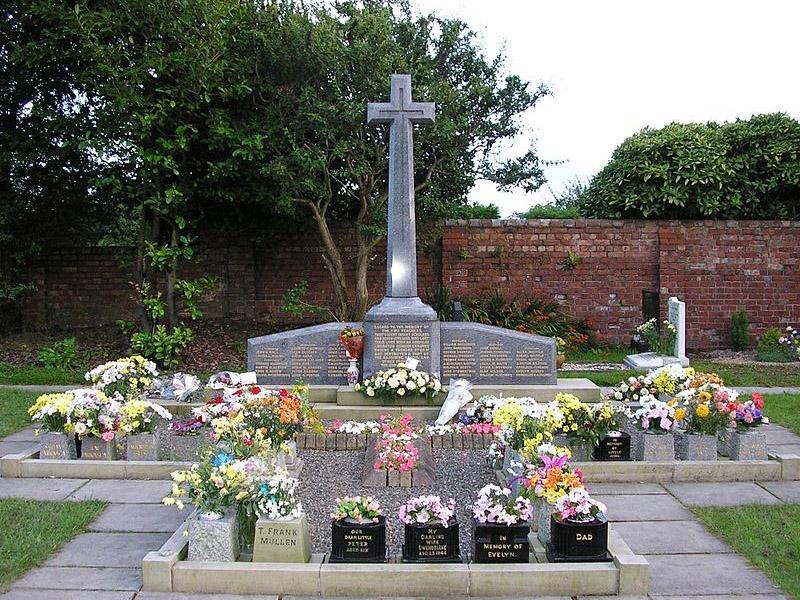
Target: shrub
{"x":770,"y":349}
{"x":544,"y":317}
{"x":549,"y":211}
{"x":740,"y":330}
{"x":476,"y":211}
{"x":740,"y":170}
{"x":61,"y":355}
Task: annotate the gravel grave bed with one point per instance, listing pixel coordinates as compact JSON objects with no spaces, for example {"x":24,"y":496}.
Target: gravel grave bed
{"x":330,"y":475}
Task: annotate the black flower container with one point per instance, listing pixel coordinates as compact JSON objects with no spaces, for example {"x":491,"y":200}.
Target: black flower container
{"x":355,"y":542}
{"x":498,"y":543}
{"x":611,"y":448}
{"x":572,"y":541}
{"x":432,"y":543}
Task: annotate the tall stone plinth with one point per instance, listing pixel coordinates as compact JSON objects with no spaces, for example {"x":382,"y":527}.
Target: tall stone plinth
{"x":399,"y":328}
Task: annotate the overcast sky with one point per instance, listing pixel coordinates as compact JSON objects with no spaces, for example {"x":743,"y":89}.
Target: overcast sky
{"x":616,"y":66}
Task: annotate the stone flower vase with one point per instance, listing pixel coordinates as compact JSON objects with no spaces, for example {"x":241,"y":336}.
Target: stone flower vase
{"x":695,"y":446}
{"x":724,"y":442}
{"x":214,"y":536}
{"x":186,"y":448}
{"x":142,"y":446}
{"x":581,"y":451}
{"x":287,"y":459}
{"x":356,"y":542}
{"x":500,"y":543}
{"x":578,"y":541}
{"x":748,"y":443}
{"x":544,"y":513}
{"x":93,"y":448}
{"x":58,"y":445}
{"x":282,"y":541}
{"x":655,"y":447}
{"x":431,"y":543}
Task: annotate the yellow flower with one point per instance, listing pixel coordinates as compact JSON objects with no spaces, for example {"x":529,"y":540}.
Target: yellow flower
{"x":680,"y":414}
{"x":169,"y":501}
{"x":702,"y":410}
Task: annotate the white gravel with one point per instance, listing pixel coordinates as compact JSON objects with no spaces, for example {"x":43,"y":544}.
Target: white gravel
{"x":328,"y":475}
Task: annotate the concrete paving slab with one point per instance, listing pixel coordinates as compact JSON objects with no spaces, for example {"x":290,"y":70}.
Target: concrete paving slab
{"x":721,"y":494}
{"x":29,"y":435}
{"x":644,"y":507}
{"x":107,"y":550}
{"x":39,"y":489}
{"x":694,"y":575}
{"x":788,"y":491}
{"x":180,"y":596}
{"x":670,"y":537}
{"x":82,"y":578}
{"x":123,"y":491}
{"x":27,"y":594}
{"x":722,"y":597}
{"x":141,"y":518}
{"x":784,"y":448}
{"x":781,"y":437}
{"x":625,"y":488}
{"x":14,"y":447}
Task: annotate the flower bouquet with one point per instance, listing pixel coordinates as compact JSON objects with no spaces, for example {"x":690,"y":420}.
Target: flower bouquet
{"x":790,"y":341}
{"x":399,"y":383}
{"x":500,"y":526}
{"x":579,"y":529}
{"x":95,"y":419}
{"x":431,"y":530}
{"x":138,"y":422}
{"x":129,"y":377}
{"x":53,"y":412}
{"x":747,"y":442}
{"x":352,"y":338}
{"x":655,"y":417}
{"x":659,"y":340}
{"x":358,"y":530}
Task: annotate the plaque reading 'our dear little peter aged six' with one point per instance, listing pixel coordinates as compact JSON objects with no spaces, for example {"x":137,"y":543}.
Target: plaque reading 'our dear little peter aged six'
{"x":358,"y":542}
{"x":313,"y":354}
{"x":492,"y":355}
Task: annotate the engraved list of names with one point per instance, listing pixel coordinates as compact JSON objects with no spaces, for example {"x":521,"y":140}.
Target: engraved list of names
{"x":394,"y":342}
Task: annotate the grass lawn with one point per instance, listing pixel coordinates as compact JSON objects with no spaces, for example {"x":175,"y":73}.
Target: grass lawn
{"x":14,"y":410}
{"x":784,"y":409}
{"x":33,"y":530}
{"x":734,"y":375}
{"x":769,"y":536}
{"x":607,"y":354}
{"x":33,"y":375}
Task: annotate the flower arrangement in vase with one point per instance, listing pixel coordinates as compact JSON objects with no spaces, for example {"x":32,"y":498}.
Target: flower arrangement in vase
{"x":400,"y":382}
{"x":579,"y":529}
{"x":500,"y":526}
{"x":358,"y":530}
{"x":53,"y":412}
{"x":352,"y":338}
{"x":138,"y":423}
{"x":130,"y":377}
{"x":431,"y":530}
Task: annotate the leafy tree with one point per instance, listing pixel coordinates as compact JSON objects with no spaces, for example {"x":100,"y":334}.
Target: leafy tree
{"x":475,"y":211}
{"x":739,"y":170}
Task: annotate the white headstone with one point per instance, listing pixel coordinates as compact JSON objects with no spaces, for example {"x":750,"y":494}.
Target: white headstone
{"x":676,"y":313}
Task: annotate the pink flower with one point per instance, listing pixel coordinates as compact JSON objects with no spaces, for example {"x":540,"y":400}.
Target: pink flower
{"x":108,"y":436}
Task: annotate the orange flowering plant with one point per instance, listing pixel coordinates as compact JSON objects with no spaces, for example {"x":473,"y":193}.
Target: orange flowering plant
{"x":552,"y":479}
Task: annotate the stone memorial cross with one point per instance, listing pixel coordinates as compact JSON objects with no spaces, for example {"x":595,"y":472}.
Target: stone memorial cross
{"x":401,"y":112}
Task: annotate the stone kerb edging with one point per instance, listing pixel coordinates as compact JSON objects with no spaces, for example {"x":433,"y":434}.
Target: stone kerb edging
{"x":333,"y":442}
{"x":166,"y":570}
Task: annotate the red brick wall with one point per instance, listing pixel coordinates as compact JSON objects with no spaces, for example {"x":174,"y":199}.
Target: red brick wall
{"x":716,"y":267}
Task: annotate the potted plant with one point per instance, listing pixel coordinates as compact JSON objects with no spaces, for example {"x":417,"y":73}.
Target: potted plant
{"x":53,"y":412}
{"x":500,"y":526}
{"x":610,"y":442}
{"x":579,"y":529}
{"x":431,"y":530}
{"x":703,"y":414}
{"x":352,"y":338}
{"x":561,"y":350}
{"x":576,"y":428}
{"x":95,"y":418}
{"x":139,"y":424}
{"x":281,"y":531}
{"x":358,"y":530}
{"x":747,"y":441}
{"x":655,"y":420}
{"x":212,"y":485}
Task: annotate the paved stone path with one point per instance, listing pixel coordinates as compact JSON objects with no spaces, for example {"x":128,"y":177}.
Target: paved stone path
{"x":686,"y":561}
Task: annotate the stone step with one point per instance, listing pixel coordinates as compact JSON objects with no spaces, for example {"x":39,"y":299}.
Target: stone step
{"x":328,"y":412}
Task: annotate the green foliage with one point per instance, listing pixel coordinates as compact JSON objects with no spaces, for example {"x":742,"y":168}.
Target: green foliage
{"x":11,"y":374}
{"x":770,"y":349}
{"x":163,"y":345}
{"x":61,"y":355}
{"x":440,"y":299}
{"x":475,"y":211}
{"x":295,"y":304}
{"x":740,"y":330}
{"x":14,"y":293}
{"x":549,"y":211}
{"x":739,"y":170}
{"x":571,"y":261}
{"x":544,"y":317}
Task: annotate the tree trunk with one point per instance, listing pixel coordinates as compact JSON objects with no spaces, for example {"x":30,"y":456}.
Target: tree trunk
{"x":362,"y":270}
{"x":333,"y":261}
{"x":172,"y":276}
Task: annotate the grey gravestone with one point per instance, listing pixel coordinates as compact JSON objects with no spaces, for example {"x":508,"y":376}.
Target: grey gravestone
{"x":676,"y":313}
{"x":401,"y":325}
{"x":484,"y":354}
{"x":313,"y":354}
{"x":282,"y":541}
{"x":214,"y":540}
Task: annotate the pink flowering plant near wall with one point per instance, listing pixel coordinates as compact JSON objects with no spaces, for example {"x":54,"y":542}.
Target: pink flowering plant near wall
{"x":495,"y":505}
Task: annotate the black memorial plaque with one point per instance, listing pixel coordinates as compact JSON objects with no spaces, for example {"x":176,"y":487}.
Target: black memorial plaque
{"x":358,"y":542}
{"x":432,"y":543}
{"x":614,"y":447}
{"x":497,"y":543}
{"x":578,"y":541}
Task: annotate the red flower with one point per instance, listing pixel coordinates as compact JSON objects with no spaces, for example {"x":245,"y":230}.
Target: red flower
{"x":758,"y":400}
{"x":217,"y":399}
{"x":238,"y":392}
{"x":284,"y":392}
{"x":255,"y":390}
{"x":248,"y":442}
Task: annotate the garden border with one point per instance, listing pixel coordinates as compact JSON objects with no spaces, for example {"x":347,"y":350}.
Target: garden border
{"x":167,"y":570}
